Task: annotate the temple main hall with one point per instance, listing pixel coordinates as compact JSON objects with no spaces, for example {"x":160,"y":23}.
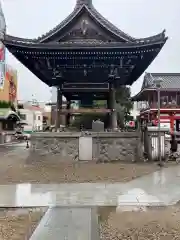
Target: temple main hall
{"x":87,"y":58}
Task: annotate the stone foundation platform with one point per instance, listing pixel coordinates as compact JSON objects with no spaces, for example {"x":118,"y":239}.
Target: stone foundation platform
{"x":74,"y":146}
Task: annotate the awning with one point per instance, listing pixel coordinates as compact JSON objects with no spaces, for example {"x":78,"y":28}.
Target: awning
{"x":6,"y":114}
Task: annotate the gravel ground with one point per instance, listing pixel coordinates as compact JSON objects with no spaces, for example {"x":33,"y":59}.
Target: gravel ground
{"x":19,"y":224}
{"x":13,"y":169}
{"x":155,"y":224}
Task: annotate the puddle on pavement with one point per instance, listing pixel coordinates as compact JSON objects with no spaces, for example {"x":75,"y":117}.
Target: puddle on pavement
{"x":105,"y":211}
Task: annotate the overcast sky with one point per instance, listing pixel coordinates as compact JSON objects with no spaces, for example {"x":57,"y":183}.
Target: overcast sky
{"x":139,"y":18}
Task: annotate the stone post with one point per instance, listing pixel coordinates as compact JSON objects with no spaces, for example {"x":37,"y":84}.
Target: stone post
{"x":108,"y":114}
{"x":68,"y":116}
{"x":113,"y":115}
{"x":58,"y":108}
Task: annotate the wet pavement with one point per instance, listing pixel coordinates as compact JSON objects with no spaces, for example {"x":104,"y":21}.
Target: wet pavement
{"x":68,"y":223}
{"x":159,"y":188}
{"x":15,"y":147}
{"x":77,"y":202}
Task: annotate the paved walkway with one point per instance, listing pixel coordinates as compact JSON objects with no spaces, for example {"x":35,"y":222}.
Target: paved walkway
{"x":162,"y":185}
{"x":68,"y":224}
{"x":159,"y":188}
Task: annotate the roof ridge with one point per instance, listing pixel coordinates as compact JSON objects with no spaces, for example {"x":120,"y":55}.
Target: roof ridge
{"x":80,"y":4}
{"x":165,"y":74}
{"x":92,"y":10}
{"x":169,"y":80}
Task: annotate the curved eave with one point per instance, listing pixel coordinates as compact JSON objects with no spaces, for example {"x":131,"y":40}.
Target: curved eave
{"x":41,"y":49}
{"x":142,"y":95}
{"x":103,"y":22}
{"x":18,"y":39}
{"x":93,"y":13}
{"x":99,"y":19}
{"x":138,"y":71}
{"x":90,"y":45}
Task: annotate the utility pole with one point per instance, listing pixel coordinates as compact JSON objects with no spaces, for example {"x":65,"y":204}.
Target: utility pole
{"x":158,"y":88}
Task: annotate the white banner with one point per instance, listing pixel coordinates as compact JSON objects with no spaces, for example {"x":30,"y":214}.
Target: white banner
{"x":2,"y":74}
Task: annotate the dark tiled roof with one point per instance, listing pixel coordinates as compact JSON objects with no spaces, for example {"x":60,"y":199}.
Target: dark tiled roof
{"x":91,"y":43}
{"x":87,"y":5}
{"x":169,"y":80}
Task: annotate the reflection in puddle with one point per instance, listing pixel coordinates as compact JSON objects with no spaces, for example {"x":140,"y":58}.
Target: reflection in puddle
{"x":27,"y":195}
{"x":105,"y":212}
{"x":24,"y":195}
{"x":136,"y":200}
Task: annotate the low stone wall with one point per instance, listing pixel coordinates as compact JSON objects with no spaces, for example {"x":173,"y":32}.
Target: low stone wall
{"x":63,"y":146}
{"x":106,"y":147}
{"x":123,"y":146}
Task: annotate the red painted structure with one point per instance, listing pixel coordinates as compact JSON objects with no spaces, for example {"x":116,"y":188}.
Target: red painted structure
{"x":169,"y":100}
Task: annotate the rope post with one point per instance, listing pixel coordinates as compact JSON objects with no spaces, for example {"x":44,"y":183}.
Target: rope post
{"x":27,"y":144}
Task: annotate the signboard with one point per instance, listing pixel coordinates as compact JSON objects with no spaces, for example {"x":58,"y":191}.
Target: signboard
{"x":85,"y":85}
{"x":11,"y":76}
{"x":2,"y":65}
{"x":2,"y":74}
{"x":2,"y":52}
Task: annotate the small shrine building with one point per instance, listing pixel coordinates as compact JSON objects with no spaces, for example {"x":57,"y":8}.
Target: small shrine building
{"x":169,"y":100}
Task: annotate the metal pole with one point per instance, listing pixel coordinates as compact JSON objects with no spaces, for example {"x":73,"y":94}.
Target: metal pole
{"x":159,"y":127}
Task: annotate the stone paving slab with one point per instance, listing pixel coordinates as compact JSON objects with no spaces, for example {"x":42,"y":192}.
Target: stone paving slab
{"x":72,"y":224}
{"x":159,"y":188}
{"x":162,"y":186}
{"x":68,"y":224}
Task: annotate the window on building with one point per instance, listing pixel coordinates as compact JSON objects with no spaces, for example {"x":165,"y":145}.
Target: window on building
{"x":39,"y":118}
{"x":178,"y":98}
{"x":173,"y":99}
{"x":23,"y":116}
{"x":164,"y":100}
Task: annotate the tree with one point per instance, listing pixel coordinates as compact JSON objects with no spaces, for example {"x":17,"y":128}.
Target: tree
{"x":123,"y":107}
{"x":123,"y":104}
{"x":5,"y":104}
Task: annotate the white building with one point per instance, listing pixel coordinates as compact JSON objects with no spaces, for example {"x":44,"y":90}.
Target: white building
{"x":54,"y":95}
{"x":135,"y":111}
{"x":33,"y":117}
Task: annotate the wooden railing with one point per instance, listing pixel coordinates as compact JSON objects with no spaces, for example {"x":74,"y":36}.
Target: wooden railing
{"x":155,"y":105}
{"x":85,"y":110}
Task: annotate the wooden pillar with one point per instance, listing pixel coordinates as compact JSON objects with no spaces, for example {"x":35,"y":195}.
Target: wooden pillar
{"x":68,"y":116}
{"x":108,"y":114}
{"x":58,"y":108}
{"x":172,"y":122}
{"x":112,"y":99}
